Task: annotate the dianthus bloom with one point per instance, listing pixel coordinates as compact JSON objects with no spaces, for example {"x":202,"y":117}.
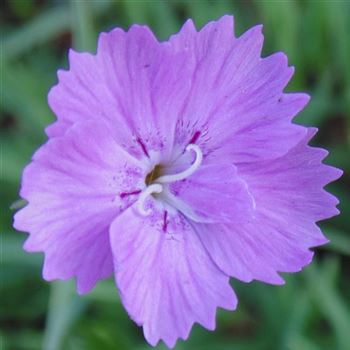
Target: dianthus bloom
{"x":175,"y":166}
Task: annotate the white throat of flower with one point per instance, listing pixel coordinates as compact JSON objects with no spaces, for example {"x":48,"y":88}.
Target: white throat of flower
{"x":157,"y":185}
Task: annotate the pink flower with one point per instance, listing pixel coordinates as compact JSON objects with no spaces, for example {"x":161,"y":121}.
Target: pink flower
{"x":175,"y":166}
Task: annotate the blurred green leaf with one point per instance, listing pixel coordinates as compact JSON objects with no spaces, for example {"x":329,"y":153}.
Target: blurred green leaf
{"x":299,"y":342}
{"x":339,"y":240}
{"x":339,"y":29}
{"x":26,"y":340}
{"x":84,"y":35}
{"x":22,"y":9}
{"x":50,"y":24}
{"x":25,"y":97}
{"x":42,"y":28}
{"x":321,"y":103}
{"x":13,"y":254}
{"x":281,"y":24}
{"x":330,"y":303}
{"x":105,"y":292}
{"x":295,"y":325}
{"x":165,"y":23}
{"x":204,"y":11}
{"x":136,"y":11}
{"x":64,"y":309}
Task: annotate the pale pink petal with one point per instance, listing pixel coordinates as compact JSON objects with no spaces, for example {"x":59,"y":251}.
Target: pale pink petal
{"x":291,"y":187}
{"x":215,"y":193}
{"x":289,"y":199}
{"x":134,"y":82}
{"x":236,"y":100}
{"x":74,"y":187}
{"x":166,"y":279}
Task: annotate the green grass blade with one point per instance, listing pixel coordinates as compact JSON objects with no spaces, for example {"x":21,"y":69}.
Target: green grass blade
{"x":42,"y":28}
{"x":84,"y":34}
{"x":339,"y":240}
{"x":64,"y":309}
{"x":330,"y":303}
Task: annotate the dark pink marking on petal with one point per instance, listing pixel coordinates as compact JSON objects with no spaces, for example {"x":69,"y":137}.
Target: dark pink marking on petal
{"x":144,"y":149}
{"x":165,"y":221}
{"x":126,"y":194}
{"x":195,"y":137}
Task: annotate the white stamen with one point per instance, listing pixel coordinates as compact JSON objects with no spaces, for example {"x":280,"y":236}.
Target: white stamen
{"x":154,"y":188}
{"x":186,"y":173}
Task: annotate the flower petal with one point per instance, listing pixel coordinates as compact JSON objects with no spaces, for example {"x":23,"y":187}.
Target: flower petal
{"x":73,"y":187}
{"x":132,"y":79}
{"x":165,"y":278}
{"x":236,"y":100}
{"x":292,"y":186}
{"x":289,"y":199}
{"x":215,"y":193}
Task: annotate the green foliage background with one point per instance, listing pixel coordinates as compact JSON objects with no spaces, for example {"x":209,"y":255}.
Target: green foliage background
{"x":312,"y":311}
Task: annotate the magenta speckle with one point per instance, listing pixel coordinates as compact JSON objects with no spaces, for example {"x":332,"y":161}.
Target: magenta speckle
{"x":143,"y":146}
{"x":165,"y":221}
{"x":195,"y":137}
{"x":126,"y":194}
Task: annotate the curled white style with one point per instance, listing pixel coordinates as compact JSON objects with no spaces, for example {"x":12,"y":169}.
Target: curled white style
{"x":156,"y":186}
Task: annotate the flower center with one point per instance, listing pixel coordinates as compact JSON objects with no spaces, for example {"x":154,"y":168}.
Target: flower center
{"x":154,"y":174}
{"x":155,"y":181}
